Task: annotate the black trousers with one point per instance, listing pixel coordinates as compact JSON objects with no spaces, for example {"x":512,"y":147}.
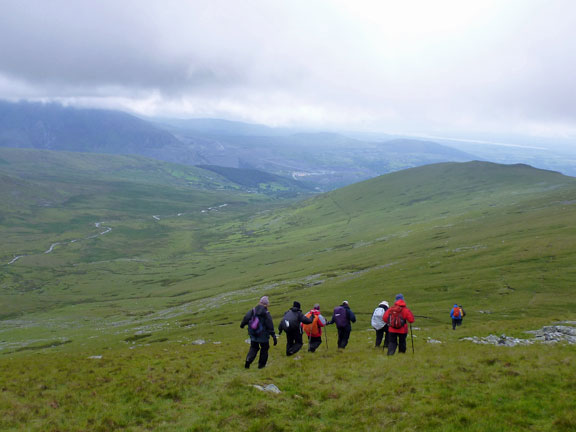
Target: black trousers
{"x":456,"y":322}
{"x":397,"y":340}
{"x":263,"y":347}
{"x":293,"y":342}
{"x":382,"y":333}
{"x":314,"y":343}
{"x":343,"y":336}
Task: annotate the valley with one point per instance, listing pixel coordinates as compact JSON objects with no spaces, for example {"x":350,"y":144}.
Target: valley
{"x":146,"y":315}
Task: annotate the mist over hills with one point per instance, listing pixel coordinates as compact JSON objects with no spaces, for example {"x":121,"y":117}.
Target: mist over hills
{"x":318,"y":159}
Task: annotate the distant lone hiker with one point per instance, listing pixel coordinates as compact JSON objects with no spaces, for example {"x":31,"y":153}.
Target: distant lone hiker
{"x":343,"y":317}
{"x":314,"y":330}
{"x":379,"y":324}
{"x":260,"y":328}
{"x":397,"y":318}
{"x":290,"y":324}
{"x":457,"y":314}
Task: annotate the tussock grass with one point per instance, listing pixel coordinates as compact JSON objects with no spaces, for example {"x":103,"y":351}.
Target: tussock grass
{"x":171,"y":388}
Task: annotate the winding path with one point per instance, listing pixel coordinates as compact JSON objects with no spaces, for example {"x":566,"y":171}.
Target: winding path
{"x":53,"y":245}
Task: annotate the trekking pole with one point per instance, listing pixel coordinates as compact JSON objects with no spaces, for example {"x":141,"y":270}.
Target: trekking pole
{"x":412,"y":337}
{"x":326,"y":334}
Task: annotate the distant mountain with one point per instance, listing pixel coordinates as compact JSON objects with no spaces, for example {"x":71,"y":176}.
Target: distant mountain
{"x":211,"y":126}
{"x":56,"y":127}
{"x":323,"y":160}
{"x":320,"y":160}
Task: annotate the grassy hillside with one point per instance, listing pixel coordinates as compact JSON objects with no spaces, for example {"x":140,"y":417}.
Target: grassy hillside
{"x":100,"y":334}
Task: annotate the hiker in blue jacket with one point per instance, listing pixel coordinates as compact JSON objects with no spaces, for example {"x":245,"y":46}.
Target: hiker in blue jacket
{"x":343,"y":317}
{"x":259,"y":337}
{"x":457,"y":314}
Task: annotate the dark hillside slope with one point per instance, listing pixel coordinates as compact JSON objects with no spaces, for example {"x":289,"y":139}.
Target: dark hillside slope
{"x":56,"y":127}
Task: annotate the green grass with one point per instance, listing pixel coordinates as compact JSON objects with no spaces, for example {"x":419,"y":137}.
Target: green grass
{"x":493,"y":238}
{"x":181,"y":387}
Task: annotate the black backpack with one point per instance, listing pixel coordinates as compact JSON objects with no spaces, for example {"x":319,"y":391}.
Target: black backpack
{"x":290,"y":321}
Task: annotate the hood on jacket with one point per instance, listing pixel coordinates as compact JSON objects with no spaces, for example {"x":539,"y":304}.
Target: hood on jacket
{"x":295,"y":309}
{"x":260,"y":310}
{"x":400,"y":302}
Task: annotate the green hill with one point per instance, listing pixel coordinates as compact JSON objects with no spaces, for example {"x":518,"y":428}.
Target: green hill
{"x":107,"y":333}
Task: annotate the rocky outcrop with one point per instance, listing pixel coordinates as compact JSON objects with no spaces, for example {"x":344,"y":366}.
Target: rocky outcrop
{"x":561,"y":332}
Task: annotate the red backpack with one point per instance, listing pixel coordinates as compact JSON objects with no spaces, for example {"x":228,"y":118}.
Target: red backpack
{"x":395,"y":318}
{"x":457,"y":313}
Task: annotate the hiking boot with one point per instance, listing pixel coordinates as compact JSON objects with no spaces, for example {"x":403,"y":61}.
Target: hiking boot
{"x":247,"y":365}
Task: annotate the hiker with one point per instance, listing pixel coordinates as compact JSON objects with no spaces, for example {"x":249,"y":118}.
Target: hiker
{"x":314,"y":330}
{"x":379,"y":325}
{"x":290,"y":324}
{"x":259,"y":336}
{"x":343,"y":317}
{"x":457,"y":314}
{"x":397,"y":318}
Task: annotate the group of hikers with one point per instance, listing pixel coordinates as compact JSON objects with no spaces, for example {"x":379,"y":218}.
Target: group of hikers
{"x":390,"y":323}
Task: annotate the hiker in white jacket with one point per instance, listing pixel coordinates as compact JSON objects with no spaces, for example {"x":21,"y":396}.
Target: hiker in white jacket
{"x":379,"y":325}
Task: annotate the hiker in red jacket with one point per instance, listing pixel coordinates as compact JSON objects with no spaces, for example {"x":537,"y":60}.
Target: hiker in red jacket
{"x":397,"y":318}
{"x":314,"y":329}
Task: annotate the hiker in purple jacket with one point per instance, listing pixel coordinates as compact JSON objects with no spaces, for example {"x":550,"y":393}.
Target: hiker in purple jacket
{"x":343,"y":317}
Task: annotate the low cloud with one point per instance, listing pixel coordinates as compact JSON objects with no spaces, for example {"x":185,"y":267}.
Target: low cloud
{"x":412,"y":66}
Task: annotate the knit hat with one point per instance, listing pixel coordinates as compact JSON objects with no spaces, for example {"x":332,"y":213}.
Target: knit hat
{"x":317,"y":306}
{"x":345,"y":302}
{"x":264,"y":301}
{"x":296,"y":305}
{"x":385,"y":303}
{"x":399,"y":296}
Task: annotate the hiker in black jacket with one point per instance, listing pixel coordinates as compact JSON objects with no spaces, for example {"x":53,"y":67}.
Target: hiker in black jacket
{"x":290,"y":324}
{"x":259,"y":337}
{"x":343,"y":317}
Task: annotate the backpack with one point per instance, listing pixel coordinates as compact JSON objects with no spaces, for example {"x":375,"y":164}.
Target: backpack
{"x":340,"y":316}
{"x":377,"y":321}
{"x":312,"y":328}
{"x":255,"y":327}
{"x":395,"y":318}
{"x":457,"y":313}
{"x":290,"y":321}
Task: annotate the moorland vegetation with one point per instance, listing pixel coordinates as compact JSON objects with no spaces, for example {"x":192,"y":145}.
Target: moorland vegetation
{"x":138,"y":329}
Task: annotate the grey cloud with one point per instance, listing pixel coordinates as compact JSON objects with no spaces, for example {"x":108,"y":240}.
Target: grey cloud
{"x":105,"y":43}
{"x":375,"y":63}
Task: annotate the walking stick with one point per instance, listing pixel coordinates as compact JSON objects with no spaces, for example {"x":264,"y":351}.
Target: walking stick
{"x":326,"y":336}
{"x":412,"y":337}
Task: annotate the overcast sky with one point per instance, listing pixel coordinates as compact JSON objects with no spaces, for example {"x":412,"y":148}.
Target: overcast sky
{"x":393,"y":66}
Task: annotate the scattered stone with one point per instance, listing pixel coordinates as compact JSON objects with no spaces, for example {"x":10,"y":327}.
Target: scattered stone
{"x":554,"y":334}
{"x":96,"y":357}
{"x":269,"y":388}
{"x":548,"y":335}
{"x":199,"y":342}
{"x":484,"y":312}
{"x":216,"y":343}
{"x":433,"y":341}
